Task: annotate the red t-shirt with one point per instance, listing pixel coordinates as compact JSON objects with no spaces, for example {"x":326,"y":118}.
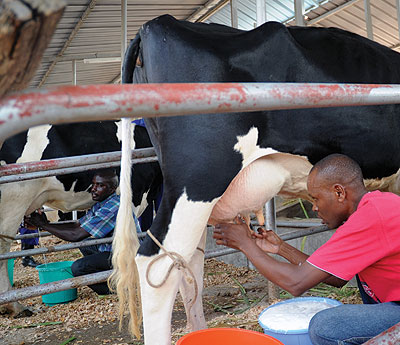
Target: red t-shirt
{"x":368,"y":243}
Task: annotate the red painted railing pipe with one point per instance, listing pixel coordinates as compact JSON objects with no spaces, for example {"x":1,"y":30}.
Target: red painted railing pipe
{"x":66,"y":104}
{"x":389,"y":337}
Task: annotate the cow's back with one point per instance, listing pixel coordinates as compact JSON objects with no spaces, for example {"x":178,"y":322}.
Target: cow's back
{"x":174,"y":51}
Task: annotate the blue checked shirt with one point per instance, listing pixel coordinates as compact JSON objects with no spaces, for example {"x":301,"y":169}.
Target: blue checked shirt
{"x":100,"y":220}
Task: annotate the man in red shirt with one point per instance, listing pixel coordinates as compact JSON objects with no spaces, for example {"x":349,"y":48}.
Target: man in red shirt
{"x":366,"y":244}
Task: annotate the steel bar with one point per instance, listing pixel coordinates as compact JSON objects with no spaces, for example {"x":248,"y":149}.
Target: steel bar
{"x":60,"y":285}
{"x":398,"y":16}
{"x":43,"y":289}
{"x":299,"y":12}
{"x":389,"y":337}
{"x":64,"y":171}
{"x":234,"y":13}
{"x":40,"y":234}
{"x":59,"y":248}
{"x":270,"y":223}
{"x":279,"y":224}
{"x":73,"y":161}
{"x":124,"y":28}
{"x":261,"y":12}
{"x":270,"y":215}
{"x":368,"y":19}
{"x":284,"y":224}
{"x":285,"y":237}
{"x":82,"y":103}
{"x":73,"y":72}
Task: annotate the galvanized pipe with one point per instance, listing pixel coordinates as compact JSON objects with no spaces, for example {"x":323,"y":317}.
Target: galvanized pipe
{"x":59,"y":248}
{"x":73,"y":161}
{"x":368,"y":19}
{"x":299,"y":12}
{"x":285,"y":224}
{"x":43,"y":289}
{"x":69,"y":162}
{"x":38,"y":234}
{"x":234,"y":13}
{"x":285,"y":237}
{"x":261,"y":12}
{"x":61,"y":285}
{"x":82,"y":103}
{"x":64,"y":171}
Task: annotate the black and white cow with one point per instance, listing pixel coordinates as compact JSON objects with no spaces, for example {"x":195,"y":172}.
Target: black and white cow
{"x":64,"y":192}
{"x":218,"y":166}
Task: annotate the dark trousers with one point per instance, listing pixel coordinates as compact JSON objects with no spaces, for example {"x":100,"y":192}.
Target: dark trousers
{"x":92,"y":262}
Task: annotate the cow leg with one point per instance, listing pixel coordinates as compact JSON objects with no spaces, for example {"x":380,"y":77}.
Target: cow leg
{"x":157,"y":303}
{"x":16,"y":199}
{"x":192,"y":299}
{"x":14,"y":308}
{"x":185,"y":231}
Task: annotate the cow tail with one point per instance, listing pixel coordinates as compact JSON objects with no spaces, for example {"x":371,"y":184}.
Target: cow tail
{"x":130,"y":60}
{"x":124,"y":278}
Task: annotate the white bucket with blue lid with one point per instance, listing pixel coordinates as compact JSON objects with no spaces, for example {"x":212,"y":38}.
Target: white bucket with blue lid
{"x":288,"y":320}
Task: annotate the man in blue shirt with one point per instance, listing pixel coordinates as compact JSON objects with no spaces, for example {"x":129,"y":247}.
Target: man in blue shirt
{"x":99,"y":222}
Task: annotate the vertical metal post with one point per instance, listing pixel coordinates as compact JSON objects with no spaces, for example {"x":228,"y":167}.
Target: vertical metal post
{"x":234,"y":13}
{"x":74,"y":72}
{"x":398,"y":15}
{"x":299,"y":12}
{"x":261,"y":13}
{"x":124,"y":35}
{"x":368,"y":19}
{"x":270,"y":223}
{"x":270,"y":215}
{"x":74,"y":213}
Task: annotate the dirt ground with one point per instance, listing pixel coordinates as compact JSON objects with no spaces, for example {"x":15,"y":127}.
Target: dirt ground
{"x":232,"y":297}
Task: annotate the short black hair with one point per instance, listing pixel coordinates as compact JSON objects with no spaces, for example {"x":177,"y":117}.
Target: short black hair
{"x":110,"y":174}
{"x":339,"y":167}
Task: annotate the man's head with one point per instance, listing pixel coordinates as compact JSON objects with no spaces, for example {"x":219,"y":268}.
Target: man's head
{"x":336,"y":186}
{"x":104,"y":183}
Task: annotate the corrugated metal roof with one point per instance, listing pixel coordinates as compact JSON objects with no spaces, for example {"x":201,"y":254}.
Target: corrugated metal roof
{"x":92,"y":28}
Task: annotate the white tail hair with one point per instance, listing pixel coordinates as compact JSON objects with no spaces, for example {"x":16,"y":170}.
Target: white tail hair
{"x":125,"y":278}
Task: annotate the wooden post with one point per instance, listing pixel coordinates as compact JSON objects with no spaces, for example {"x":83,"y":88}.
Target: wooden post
{"x":26,"y":28}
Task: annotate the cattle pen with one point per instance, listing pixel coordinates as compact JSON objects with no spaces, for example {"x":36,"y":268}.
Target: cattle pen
{"x":77,"y":104}
{"x":24,"y":171}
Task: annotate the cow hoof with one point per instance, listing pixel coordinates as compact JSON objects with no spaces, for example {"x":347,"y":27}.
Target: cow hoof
{"x":23,"y":313}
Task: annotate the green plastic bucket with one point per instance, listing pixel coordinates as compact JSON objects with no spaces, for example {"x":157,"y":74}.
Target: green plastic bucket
{"x":52,"y":272}
{"x":10,"y":270}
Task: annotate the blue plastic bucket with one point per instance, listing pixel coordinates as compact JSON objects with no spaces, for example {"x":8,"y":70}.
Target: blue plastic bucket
{"x":52,"y":272}
{"x":283,"y":332}
{"x":10,"y":270}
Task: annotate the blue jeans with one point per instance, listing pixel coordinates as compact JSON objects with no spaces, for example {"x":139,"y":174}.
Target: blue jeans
{"x":93,"y":261}
{"x":352,"y":324}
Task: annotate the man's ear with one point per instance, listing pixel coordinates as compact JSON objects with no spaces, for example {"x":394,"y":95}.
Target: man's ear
{"x":340,"y":192}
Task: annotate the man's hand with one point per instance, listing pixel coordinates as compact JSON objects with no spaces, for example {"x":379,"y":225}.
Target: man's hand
{"x":232,"y":235}
{"x":36,"y":220}
{"x":268,"y":241}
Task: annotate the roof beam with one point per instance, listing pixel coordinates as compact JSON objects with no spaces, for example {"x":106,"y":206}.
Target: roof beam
{"x":79,"y":57}
{"x":72,"y":35}
{"x":332,"y":12}
{"x":207,"y":10}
